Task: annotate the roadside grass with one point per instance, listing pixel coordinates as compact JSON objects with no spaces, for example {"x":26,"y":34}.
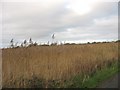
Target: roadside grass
{"x":94,"y":80}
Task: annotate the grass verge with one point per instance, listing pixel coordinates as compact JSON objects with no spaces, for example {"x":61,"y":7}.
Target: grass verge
{"x":92,"y":81}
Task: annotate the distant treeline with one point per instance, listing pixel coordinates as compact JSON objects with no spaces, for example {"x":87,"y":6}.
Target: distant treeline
{"x":30,"y":43}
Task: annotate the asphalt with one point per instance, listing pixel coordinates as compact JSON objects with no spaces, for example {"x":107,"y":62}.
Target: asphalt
{"x":112,"y":82}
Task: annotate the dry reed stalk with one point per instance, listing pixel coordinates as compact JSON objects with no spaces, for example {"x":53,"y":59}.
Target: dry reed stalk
{"x":56,"y":62}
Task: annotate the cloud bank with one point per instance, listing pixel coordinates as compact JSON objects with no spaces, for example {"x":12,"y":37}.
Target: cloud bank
{"x":39,"y":20}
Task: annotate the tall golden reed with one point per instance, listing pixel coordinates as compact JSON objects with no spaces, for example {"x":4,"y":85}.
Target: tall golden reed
{"x":56,"y":62}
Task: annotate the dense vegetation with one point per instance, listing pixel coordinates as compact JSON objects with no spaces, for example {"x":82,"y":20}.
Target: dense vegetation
{"x":55,"y":66}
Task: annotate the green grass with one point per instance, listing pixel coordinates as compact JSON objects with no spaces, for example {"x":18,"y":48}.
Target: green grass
{"x":100,"y":76}
{"x":92,"y":81}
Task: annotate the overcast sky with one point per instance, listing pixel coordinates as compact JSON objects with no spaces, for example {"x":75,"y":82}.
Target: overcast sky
{"x":71,"y":20}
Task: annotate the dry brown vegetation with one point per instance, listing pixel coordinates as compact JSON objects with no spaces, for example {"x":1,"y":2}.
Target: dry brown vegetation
{"x":54,"y":62}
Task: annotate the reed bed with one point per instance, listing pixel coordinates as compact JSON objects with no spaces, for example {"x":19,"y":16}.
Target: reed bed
{"x":55,"y":62}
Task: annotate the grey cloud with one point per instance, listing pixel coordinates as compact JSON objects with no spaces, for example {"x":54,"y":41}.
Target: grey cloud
{"x":101,"y":29}
{"x":25,"y":20}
